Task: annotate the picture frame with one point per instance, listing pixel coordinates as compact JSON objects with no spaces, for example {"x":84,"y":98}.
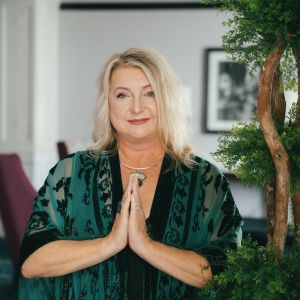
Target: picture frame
{"x":230,"y":91}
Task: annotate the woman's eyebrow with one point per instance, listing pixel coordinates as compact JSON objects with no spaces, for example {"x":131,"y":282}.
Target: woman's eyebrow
{"x":122,"y":88}
{"x":128,"y":89}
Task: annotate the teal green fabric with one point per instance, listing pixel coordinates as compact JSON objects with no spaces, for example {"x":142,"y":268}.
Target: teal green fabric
{"x":76,"y":203}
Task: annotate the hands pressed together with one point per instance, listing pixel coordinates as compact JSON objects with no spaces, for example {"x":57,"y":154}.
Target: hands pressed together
{"x":130,"y":223}
{"x":130,"y":229}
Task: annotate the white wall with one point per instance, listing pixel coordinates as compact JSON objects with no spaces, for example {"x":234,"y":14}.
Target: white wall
{"x":54,"y":57}
{"x":28,"y":84}
{"x":88,"y":38}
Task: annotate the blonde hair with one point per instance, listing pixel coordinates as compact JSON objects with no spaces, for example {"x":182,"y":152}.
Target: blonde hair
{"x":172,"y":121}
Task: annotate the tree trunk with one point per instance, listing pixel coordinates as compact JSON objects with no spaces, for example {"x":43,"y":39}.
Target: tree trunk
{"x":278,"y":104}
{"x":270,"y":194}
{"x":278,"y":109}
{"x":278,"y":152}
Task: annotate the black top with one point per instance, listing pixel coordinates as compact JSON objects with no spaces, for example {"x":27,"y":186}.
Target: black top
{"x":138,"y":269}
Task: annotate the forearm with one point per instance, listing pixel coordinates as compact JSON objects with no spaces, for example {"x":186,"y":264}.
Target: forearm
{"x":63,"y":257}
{"x":184,"y":265}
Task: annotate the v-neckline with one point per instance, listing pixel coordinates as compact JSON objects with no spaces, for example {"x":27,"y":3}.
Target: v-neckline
{"x":160,"y":206}
{"x":118,"y":183}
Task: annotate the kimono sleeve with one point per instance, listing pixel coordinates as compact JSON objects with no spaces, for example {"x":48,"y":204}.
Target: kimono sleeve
{"x":47,"y":221}
{"x":222,"y":224}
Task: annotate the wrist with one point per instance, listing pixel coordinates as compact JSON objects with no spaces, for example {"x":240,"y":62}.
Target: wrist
{"x":144,"y":249}
{"x":113,"y":244}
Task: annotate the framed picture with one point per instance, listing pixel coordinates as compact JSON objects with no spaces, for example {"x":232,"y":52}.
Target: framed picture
{"x":230,"y":91}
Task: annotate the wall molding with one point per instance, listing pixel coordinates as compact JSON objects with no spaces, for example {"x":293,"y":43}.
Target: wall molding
{"x":15,"y":74}
{"x":135,"y":6}
{"x":3,"y":73}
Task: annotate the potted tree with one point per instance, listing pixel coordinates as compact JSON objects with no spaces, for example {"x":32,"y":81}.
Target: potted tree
{"x":267,"y":152}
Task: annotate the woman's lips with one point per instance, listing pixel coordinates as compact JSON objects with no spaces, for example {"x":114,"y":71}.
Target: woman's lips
{"x":138,"y":121}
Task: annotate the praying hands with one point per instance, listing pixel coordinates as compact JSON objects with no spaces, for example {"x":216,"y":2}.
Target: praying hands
{"x":130,"y":223}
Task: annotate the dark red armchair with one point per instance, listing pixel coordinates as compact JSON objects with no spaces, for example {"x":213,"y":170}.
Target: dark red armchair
{"x":16,"y":201}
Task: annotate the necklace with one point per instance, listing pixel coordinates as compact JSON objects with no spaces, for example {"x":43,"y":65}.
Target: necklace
{"x":140,"y":175}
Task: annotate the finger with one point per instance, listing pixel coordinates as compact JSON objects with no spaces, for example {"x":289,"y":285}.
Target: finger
{"x":127,"y":193}
{"x":133,"y":190}
{"x":136,"y":196}
{"x":125,"y":203}
{"x":131,"y":182}
{"x":134,"y":184}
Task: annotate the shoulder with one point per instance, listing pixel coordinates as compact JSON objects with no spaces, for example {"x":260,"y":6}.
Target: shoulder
{"x":209,"y":175}
{"x":72,"y":162}
{"x":203,"y":165}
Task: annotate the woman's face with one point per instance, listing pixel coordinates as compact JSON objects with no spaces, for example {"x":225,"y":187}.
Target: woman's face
{"x":132,"y":105}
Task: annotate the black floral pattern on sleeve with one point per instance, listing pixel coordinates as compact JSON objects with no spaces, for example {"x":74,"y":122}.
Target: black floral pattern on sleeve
{"x":87,"y":165}
{"x":38,"y":221}
{"x":232,"y":218}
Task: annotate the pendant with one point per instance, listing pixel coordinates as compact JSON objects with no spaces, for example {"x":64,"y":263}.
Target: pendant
{"x":140,"y":176}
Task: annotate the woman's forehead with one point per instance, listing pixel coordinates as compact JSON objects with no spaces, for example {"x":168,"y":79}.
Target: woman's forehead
{"x":129,"y":75}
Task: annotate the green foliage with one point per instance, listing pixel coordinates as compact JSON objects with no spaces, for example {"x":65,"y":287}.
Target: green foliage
{"x":252,"y":273}
{"x":256,"y":27}
{"x":245,"y":153}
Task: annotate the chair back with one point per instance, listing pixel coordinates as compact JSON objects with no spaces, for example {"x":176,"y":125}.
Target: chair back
{"x":62,"y":149}
{"x":16,"y":201}
{"x":66,"y":147}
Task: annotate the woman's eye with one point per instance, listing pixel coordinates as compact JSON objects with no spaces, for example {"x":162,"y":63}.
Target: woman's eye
{"x":150,"y":94}
{"x":121,"y":95}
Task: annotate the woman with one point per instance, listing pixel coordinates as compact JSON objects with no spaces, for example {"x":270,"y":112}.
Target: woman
{"x":138,"y":216}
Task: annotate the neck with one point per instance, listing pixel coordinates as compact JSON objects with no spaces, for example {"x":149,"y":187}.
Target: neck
{"x":140,"y":154}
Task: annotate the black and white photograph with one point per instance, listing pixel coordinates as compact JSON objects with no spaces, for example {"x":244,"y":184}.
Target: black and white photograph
{"x":231,"y":92}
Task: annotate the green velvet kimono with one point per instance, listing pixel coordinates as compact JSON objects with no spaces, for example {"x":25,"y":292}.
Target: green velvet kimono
{"x":192,"y":209}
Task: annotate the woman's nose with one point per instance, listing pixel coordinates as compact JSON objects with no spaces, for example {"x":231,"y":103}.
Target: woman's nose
{"x":136,"y":105}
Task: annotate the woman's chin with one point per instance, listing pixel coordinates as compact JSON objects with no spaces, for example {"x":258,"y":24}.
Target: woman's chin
{"x":140,"y":137}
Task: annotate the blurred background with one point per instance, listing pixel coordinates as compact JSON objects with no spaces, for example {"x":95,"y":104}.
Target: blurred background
{"x":51,"y":53}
